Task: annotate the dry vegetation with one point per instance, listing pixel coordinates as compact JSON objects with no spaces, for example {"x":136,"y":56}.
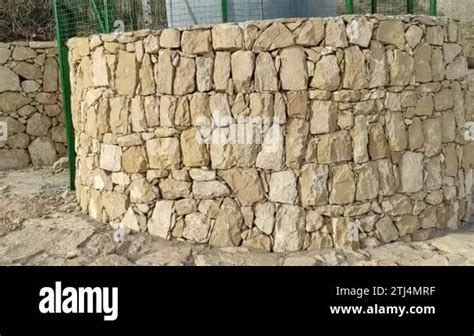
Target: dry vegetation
{"x":26,"y":20}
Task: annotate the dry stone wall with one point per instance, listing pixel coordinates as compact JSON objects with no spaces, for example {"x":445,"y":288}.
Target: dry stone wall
{"x":31,"y":118}
{"x":281,"y":135}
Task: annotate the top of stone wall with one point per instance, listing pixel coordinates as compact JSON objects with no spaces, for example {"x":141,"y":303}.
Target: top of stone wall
{"x":296,"y":22}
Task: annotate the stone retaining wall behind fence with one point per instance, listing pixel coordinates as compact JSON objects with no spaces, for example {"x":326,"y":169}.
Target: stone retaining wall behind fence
{"x":30,"y":107}
{"x":353,"y":128}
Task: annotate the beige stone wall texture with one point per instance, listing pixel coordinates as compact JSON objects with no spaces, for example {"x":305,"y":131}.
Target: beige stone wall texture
{"x":30,"y":106}
{"x":355,"y":129}
{"x":463,"y":10}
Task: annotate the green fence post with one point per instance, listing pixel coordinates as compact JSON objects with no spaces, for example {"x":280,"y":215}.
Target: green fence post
{"x":349,"y":7}
{"x":66,"y":91}
{"x":225,"y":14}
{"x":433,"y":8}
{"x":373,"y":6}
{"x":410,"y":7}
{"x":108,"y":24}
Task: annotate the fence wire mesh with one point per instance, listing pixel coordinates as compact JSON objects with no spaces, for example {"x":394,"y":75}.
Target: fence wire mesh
{"x":391,"y":7}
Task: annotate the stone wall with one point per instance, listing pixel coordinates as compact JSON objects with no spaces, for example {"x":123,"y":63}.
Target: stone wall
{"x":281,"y":135}
{"x":31,"y":118}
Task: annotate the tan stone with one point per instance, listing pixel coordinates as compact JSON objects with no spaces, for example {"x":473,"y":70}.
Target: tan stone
{"x":401,"y":68}
{"x":443,"y":100}
{"x":222,"y":70}
{"x":134,"y":160}
{"x":297,"y":131}
{"x":257,"y":240}
{"x":391,"y":32}
{"x":450,"y":51}
{"x":432,"y":136}
{"x":289,"y":229}
{"x":37,"y":125}
{"x":184,"y":81}
{"x":141,"y":191}
{"x":14,"y":159}
{"x":196,"y":42}
{"x":42,"y":152}
{"x":265,"y":217}
{"x":115,"y":204}
{"x":245,"y":185}
{"x":386,"y":230}
{"x":197,"y":227}
{"x":200,"y":110}
{"x":228,"y":226}
{"x":137,"y":115}
{"x":210,"y":189}
{"x":151,"y":44}
{"x":227,"y":37}
{"x":111,"y":158}
{"x":326,"y":74}
{"x":266,"y":78}
{"x":429,"y":218}
{"x":323,"y":117}
{"x":119,"y":115}
{"x":437,"y":65}
{"x":164,"y":72}
{"x":336,"y":33}
{"x":164,"y":153}
{"x":311,"y":34}
{"x":343,"y":185}
{"x":293,"y":71}
{"x":435,"y":35}
{"x":173,"y":189}
{"x":283,"y":187}
{"x":205,"y":68}
{"x":276,"y":36}
{"x":360,"y":136}
{"x":162,"y":220}
{"x":411,"y":172}
{"x":423,"y":71}
{"x":147,"y":79}
{"x":126,"y":74}
{"x":271,"y":155}
{"x":378,"y":146}
{"x":415,"y":135}
{"x":23,"y":53}
{"x":335,"y":147}
{"x":387,"y":177}
{"x":170,"y":38}
{"x":100,"y":70}
{"x":313,"y":185}
{"x":359,"y":31}
{"x":377,"y":64}
{"x":425,"y":106}
{"x":396,"y":132}
{"x":355,"y":73}
{"x":413,"y":36}
{"x":243,"y":64}
{"x":298,"y":102}
{"x":345,"y":233}
{"x":433,"y":178}
{"x":168,"y":106}
{"x":456,"y":70}
{"x":28,"y":70}
{"x":367,"y":186}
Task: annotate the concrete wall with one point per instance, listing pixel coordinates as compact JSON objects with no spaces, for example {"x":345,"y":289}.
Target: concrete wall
{"x":31,"y":118}
{"x":278,"y":135}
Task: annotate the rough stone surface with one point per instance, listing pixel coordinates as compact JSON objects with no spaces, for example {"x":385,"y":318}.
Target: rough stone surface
{"x":279,"y":136}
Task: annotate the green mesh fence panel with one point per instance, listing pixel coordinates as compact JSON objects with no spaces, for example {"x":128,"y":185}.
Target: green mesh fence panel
{"x":391,"y":7}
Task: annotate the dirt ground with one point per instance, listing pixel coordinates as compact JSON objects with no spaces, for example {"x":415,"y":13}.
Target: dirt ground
{"x":40,"y":224}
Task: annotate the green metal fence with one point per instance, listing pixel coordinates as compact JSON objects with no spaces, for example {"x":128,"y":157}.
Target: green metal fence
{"x":391,"y":7}
{"x":85,"y":17}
